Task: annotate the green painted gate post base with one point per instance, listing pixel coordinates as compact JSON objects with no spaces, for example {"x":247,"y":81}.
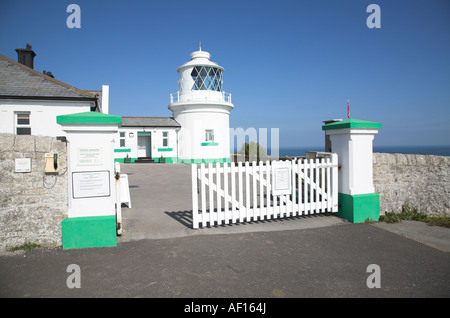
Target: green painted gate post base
{"x":359,"y":207}
{"x":89,"y":231}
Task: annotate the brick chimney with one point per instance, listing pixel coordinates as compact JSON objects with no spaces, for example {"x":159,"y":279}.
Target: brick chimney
{"x":26,"y":56}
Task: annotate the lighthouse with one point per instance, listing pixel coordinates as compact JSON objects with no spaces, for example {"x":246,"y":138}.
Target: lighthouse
{"x":202,"y":108}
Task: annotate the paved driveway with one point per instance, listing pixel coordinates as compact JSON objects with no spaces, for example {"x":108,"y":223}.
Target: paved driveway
{"x":161,"y":207}
{"x":322,"y":262}
{"x":160,"y":201}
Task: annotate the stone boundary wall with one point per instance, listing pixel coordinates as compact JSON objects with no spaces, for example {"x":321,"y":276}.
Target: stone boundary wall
{"x":421,"y":181}
{"x":32,"y":204}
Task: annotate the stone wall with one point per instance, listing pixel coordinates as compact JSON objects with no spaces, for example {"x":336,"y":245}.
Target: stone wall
{"x":422,"y":182}
{"x":33,"y":204}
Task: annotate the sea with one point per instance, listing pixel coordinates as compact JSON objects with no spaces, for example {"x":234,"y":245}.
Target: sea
{"x":418,"y":150}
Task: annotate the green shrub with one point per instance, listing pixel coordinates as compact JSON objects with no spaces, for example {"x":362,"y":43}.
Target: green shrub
{"x":413,"y":214}
{"x":439,"y":220}
{"x":25,"y":246}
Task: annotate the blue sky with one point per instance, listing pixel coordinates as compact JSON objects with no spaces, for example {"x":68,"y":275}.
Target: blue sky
{"x":288,"y":64}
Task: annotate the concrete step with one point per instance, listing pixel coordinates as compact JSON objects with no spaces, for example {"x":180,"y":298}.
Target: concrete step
{"x":144,"y":160}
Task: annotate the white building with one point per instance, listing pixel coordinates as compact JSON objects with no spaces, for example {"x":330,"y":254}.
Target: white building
{"x":31,"y":100}
{"x":147,"y":139}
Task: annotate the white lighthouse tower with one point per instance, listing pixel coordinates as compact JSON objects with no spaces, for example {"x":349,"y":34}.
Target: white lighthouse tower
{"x":202,"y":109}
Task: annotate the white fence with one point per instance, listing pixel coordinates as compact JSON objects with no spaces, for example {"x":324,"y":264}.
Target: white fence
{"x":230,"y":193}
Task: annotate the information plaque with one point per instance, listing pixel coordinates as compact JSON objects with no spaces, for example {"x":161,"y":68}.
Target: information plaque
{"x":91,"y":184}
{"x":90,"y":156}
{"x":22,"y":165}
{"x":281,"y":178}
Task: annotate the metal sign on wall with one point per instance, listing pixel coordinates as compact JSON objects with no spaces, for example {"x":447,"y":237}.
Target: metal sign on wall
{"x":90,"y":156}
{"x":22,"y":165}
{"x":91,"y":184}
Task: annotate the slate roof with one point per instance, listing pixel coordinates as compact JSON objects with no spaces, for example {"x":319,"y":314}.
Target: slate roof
{"x":149,"y":122}
{"x":20,"y":81}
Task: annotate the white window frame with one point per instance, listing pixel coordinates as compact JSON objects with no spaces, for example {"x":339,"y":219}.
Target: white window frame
{"x":165,"y":138}
{"x":122,"y":138}
{"x":209,"y":135}
{"x":16,"y":121}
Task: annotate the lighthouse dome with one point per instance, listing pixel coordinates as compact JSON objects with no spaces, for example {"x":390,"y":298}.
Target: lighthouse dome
{"x":199,"y":58}
{"x":200,"y":55}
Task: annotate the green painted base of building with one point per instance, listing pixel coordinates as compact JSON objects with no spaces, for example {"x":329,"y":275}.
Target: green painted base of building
{"x":176,"y":160}
{"x":165,"y":159}
{"x":89,"y":231}
{"x":360,"y":207}
{"x":125,"y":160}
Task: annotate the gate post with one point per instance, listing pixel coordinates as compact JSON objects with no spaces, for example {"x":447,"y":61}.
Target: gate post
{"x":352,"y":140}
{"x":91,"y":220}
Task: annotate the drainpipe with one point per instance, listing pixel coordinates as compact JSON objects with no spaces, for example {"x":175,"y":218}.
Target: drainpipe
{"x":178,"y":159}
{"x":118,"y":203}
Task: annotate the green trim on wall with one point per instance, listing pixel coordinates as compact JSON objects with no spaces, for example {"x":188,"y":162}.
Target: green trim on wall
{"x":88,"y":118}
{"x":144,"y":134}
{"x":213,"y":161}
{"x":210,"y":143}
{"x":165,"y":149}
{"x":351,"y":123}
{"x":359,"y":207}
{"x":89,"y":231}
{"x":122,"y":150}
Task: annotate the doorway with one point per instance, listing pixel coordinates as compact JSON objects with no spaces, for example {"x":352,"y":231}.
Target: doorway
{"x":144,"y":145}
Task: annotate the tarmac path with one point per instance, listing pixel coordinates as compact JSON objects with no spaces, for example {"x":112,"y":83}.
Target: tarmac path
{"x":317,"y":262}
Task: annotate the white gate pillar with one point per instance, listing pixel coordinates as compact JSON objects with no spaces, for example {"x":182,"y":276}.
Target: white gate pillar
{"x":91,"y":220}
{"x":352,"y":140}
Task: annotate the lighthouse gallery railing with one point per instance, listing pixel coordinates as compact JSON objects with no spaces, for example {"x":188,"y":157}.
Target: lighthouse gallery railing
{"x":196,"y":95}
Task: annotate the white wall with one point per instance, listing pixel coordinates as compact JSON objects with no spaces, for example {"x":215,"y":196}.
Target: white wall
{"x":130,"y":143}
{"x":157,"y":142}
{"x":99,"y":137}
{"x":42,"y":115}
{"x":354,"y":149}
{"x":192,"y":134}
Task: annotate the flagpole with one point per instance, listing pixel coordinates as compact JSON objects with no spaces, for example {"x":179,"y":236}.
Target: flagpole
{"x":348,"y":109}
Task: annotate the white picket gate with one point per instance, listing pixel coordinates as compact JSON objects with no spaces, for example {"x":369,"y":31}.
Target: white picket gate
{"x":230,"y":193}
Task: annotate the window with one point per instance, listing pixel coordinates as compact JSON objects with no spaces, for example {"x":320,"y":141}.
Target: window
{"x":122,"y":139}
{"x":23,"y":126}
{"x":165,"y":139}
{"x":207,"y":78}
{"x":209,"y":135}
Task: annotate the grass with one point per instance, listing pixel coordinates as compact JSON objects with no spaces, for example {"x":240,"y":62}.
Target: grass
{"x":413,"y":214}
{"x":25,"y":246}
